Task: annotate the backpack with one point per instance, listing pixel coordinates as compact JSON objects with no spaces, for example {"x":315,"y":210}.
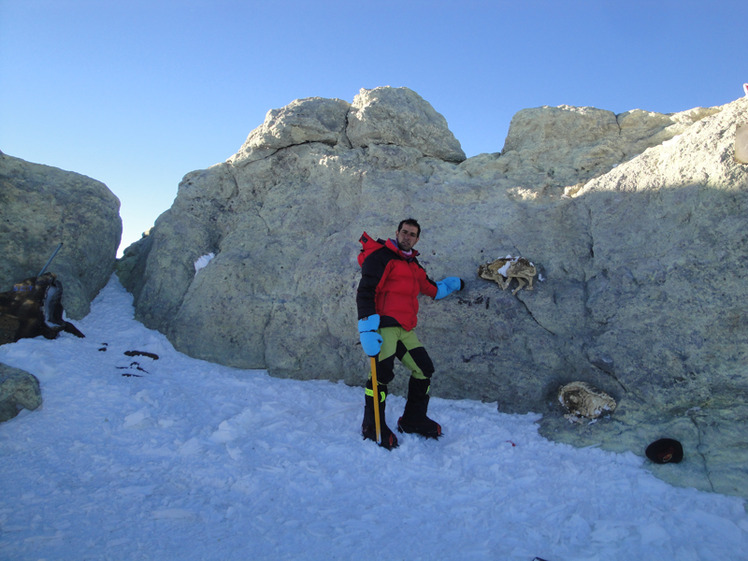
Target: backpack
{"x":368,"y":246}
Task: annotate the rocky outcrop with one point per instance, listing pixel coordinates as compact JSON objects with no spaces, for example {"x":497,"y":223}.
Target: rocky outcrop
{"x":42,"y":206}
{"x":634,"y":222}
{"x":18,"y":390}
{"x":568,"y":145}
{"x":399,"y":117}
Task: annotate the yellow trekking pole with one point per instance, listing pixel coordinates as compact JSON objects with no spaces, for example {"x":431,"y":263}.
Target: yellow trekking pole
{"x":375,"y":390}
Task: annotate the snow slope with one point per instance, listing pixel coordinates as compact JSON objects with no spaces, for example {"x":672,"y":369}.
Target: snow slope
{"x":137,"y":458}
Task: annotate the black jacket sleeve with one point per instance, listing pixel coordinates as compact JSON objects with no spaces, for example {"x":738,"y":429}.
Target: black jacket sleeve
{"x":372,"y":270}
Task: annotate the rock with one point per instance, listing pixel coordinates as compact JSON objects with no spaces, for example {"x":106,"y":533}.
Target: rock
{"x":306,"y":120}
{"x":42,"y":206}
{"x":400,"y":117}
{"x":18,"y":390}
{"x":741,"y":144}
{"x":638,"y":220}
{"x":549,"y":147}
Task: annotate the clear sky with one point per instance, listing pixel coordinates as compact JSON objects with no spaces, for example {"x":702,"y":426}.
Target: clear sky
{"x":138,"y":93}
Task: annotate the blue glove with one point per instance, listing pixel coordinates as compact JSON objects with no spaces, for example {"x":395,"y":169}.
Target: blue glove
{"x":448,"y":286}
{"x":371,"y":341}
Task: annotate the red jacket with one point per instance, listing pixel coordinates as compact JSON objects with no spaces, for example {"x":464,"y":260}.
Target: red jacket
{"x":390,"y":283}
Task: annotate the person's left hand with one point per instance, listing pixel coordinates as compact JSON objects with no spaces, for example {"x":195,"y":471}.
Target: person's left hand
{"x":448,"y":286}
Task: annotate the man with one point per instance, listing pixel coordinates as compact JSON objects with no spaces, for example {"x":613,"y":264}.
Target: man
{"x":387,"y":301}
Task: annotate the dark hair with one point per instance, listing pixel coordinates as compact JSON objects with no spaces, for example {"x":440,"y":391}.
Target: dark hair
{"x":410,"y":222}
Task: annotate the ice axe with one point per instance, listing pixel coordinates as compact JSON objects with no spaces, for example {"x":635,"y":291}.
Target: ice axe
{"x":49,"y":260}
{"x":375,"y":390}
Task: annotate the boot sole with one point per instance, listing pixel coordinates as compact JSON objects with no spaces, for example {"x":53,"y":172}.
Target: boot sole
{"x":383,"y":445}
{"x":424,"y":435}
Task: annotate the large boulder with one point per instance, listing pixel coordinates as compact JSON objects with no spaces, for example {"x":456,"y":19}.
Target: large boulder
{"x":634,"y":222}
{"x":43,"y":206}
{"x":18,"y":390}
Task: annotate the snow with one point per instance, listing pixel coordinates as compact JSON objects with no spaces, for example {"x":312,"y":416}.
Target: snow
{"x":138,"y":458}
{"x":202,"y":261}
{"x":505,"y":268}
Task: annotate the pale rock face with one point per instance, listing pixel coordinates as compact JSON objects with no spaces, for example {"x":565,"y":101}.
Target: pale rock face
{"x":565,"y":145}
{"x":636,"y":222}
{"x":306,"y":120}
{"x":400,"y":117}
{"x":741,"y":144}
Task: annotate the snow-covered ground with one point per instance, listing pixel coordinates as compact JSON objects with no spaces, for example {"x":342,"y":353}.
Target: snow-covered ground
{"x":137,"y":458}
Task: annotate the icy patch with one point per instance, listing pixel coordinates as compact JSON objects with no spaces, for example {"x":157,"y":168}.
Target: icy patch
{"x":203,"y":261}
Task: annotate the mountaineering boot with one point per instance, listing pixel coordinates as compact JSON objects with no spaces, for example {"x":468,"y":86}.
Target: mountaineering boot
{"x":414,"y":419}
{"x":368,"y":427}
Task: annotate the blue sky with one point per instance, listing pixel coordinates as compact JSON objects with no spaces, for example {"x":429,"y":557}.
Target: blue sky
{"x":137,"y":94}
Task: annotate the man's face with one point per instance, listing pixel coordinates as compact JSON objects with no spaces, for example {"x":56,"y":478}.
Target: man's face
{"x":407,"y":237}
